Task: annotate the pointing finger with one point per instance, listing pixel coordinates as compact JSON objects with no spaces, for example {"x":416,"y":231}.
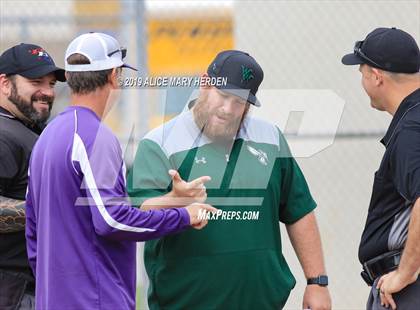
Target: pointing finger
{"x":174,"y":175}
{"x":199,"y":182}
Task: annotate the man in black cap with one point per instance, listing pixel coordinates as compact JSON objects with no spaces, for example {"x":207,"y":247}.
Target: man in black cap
{"x":27,"y":79}
{"x":215,"y":152}
{"x":389,"y":251}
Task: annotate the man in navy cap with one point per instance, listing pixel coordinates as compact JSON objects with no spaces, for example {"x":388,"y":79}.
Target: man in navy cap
{"x":389,"y":251}
{"x":27,"y":79}
{"x":215,"y":151}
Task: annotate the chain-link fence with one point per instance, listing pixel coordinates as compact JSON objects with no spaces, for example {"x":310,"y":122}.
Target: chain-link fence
{"x":299,"y":45}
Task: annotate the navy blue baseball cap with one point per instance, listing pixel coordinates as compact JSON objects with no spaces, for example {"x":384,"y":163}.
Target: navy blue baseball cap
{"x":389,"y":49}
{"x":244,"y":75}
{"x":30,"y":61}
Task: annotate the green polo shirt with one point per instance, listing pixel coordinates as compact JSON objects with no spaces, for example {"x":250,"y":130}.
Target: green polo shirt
{"x":236,"y":261}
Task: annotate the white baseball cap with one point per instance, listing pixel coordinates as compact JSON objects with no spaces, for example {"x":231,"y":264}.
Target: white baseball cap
{"x":103,"y":51}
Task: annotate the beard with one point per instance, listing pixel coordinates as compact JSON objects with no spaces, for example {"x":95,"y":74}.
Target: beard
{"x":216,"y":132}
{"x":27,"y":108}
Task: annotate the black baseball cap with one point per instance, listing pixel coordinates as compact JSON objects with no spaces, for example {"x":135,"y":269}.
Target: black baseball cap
{"x":389,"y":49}
{"x":244,"y":75}
{"x":30,"y":61}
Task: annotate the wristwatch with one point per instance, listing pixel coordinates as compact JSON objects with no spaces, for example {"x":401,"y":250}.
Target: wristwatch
{"x":321,"y":280}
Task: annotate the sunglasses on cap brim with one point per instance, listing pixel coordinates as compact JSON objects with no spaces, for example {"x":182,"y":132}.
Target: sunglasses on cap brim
{"x":123,"y":51}
{"x":358,"y":51}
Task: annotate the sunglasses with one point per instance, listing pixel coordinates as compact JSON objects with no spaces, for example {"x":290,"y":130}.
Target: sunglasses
{"x":358,"y":51}
{"x":123,"y":51}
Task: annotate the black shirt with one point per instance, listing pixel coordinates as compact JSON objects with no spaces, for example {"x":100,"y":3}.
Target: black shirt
{"x":16,"y":143}
{"x":397,"y":183}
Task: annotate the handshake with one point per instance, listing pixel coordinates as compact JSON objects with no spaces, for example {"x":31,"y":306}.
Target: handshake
{"x":191,"y":195}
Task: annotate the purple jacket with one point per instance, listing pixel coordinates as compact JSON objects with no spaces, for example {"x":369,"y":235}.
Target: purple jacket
{"x":80,"y":228}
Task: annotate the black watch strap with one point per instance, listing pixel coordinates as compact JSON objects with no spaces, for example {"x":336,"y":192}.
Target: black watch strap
{"x":321,"y":280}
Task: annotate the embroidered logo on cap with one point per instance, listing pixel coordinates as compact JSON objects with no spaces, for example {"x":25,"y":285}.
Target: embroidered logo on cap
{"x":247,"y":74}
{"x":40,"y":53}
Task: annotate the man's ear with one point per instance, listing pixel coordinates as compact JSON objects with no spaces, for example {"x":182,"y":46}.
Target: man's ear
{"x":5,"y":85}
{"x":114,"y":78}
{"x":378,"y":75}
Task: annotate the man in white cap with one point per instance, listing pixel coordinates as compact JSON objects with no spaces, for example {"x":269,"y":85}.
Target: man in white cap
{"x":81,"y":230}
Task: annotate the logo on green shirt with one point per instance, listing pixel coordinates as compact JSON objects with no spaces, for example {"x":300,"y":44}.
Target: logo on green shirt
{"x":261,"y":155}
{"x":201,"y":160}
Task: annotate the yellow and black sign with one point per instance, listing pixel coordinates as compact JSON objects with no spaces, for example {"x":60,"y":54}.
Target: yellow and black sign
{"x":183,"y":44}
{"x":186,"y":46}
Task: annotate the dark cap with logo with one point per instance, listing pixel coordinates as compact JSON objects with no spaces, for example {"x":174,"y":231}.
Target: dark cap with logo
{"x":244,"y":75}
{"x":389,"y":49}
{"x":30,"y":61}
